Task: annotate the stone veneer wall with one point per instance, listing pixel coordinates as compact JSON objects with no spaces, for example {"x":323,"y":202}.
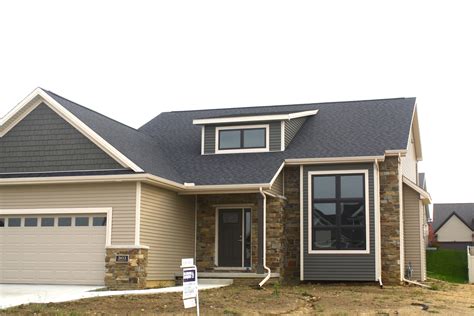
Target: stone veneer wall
{"x":275,"y":234}
{"x":206,"y":226}
{"x":291,"y":219}
{"x":131,"y":275}
{"x":390,"y":220}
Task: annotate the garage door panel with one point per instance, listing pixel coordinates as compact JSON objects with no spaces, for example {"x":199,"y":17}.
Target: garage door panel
{"x":52,"y":255}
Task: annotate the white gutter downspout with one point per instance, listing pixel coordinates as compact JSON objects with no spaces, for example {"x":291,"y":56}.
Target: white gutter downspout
{"x":378,"y":249}
{"x":269,"y":272}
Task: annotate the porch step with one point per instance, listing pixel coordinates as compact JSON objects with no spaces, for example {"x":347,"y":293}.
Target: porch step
{"x":216,"y":281}
{"x":230,"y":275}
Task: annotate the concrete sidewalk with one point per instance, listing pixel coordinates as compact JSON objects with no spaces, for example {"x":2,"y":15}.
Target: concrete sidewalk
{"x":19,"y":294}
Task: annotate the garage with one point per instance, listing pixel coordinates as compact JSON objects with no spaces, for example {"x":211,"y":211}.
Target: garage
{"x":53,"y":248}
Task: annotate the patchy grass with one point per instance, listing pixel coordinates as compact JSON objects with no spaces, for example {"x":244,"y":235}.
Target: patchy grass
{"x":447,"y":265}
{"x":307,"y":298}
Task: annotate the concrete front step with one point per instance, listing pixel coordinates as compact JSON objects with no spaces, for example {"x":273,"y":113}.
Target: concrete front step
{"x":215,"y":281}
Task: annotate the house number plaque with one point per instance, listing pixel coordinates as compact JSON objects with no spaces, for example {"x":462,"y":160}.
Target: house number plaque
{"x":121,"y":258}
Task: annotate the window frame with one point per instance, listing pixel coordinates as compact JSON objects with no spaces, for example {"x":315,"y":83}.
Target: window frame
{"x":310,"y":199}
{"x":242,"y":149}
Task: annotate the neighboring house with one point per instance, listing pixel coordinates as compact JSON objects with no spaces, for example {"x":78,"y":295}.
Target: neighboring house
{"x":453,"y":225}
{"x":426,"y":216}
{"x":324,"y":191}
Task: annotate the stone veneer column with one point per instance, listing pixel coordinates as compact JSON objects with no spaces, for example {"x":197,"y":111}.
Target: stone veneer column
{"x":390,"y":220}
{"x":291,"y":218}
{"x":274,"y":238}
{"x":126,"y":275}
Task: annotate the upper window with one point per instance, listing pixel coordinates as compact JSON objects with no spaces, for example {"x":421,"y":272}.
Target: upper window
{"x":338,"y":212}
{"x":242,"y":138}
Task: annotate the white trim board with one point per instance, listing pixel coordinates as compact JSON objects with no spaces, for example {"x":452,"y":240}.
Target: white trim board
{"x":255,"y":118}
{"x":39,"y":96}
{"x":138,"y":201}
{"x":50,"y":211}
{"x":301,"y":225}
{"x":367,"y":211}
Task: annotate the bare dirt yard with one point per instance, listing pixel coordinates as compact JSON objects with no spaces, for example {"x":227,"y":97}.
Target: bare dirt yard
{"x":321,"y":299}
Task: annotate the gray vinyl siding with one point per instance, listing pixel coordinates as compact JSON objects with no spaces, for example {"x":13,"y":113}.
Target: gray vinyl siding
{"x":167,"y":227}
{"x":413,"y":233}
{"x":291,"y":128}
{"x":339,"y":267}
{"x":274,"y":135}
{"x":43,"y":141}
{"x":209,"y":139}
{"x":121,"y":197}
{"x":277,"y":187}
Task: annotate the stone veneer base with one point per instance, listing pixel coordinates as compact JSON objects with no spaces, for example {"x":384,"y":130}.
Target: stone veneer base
{"x":129,"y":275}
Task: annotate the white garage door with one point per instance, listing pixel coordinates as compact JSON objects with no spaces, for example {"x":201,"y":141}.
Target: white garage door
{"x":52,"y":249}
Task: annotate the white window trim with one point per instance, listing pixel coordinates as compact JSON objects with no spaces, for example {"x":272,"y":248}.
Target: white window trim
{"x":50,"y":211}
{"x":367,"y":212}
{"x":243,"y":150}
{"x":216,"y":237}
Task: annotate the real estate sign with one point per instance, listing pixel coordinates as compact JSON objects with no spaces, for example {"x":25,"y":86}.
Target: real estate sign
{"x":190,"y":284}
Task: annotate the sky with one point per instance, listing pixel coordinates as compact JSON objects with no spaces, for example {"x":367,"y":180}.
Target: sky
{"x":131,"y":60}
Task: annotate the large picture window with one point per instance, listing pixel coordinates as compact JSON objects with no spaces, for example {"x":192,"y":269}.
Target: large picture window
{"x":242,"y":139}
{"x":338,"y":212}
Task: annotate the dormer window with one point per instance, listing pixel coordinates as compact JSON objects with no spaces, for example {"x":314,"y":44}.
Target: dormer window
{"x":250,"y":133}
{"x":235,"y":139}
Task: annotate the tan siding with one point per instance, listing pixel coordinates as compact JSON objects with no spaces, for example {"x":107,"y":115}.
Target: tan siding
{"x":409,"y":162}
{"x":413,"y":232}
{"x":120,"y":197}
{"x":454,"y":230}
{"x":424,"y":240}
{"x":167,"y":227}
{"x":277,"y":187}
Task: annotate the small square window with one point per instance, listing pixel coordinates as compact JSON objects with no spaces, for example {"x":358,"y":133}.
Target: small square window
{"x":99,"y":221}
{"x":31,"y":222}
{"x":47,"y":222}
{"x":64,"y":221}
{"x":14,"y":222}
{"x":2,"y":222}
{"x":82,"y":221}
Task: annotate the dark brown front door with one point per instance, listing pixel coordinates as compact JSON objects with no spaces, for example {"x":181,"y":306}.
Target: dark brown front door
{"x":230,"y":238}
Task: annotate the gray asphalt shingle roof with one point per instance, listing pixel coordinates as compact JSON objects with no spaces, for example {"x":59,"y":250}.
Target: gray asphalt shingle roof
{"x":442,"y":211}
{"x":169,"y":145}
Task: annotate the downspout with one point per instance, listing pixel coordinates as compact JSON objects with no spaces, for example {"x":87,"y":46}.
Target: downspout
{"x":269,"y":272}
{"x":378,"y":231}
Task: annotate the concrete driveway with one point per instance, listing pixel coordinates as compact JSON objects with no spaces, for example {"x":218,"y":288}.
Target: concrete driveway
{"x":18,"y":294}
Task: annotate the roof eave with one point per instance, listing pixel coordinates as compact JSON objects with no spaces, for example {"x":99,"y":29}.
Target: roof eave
{"x":254,"y":118}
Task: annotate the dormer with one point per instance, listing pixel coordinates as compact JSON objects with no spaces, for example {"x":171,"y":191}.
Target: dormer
{"x":250,"y":133}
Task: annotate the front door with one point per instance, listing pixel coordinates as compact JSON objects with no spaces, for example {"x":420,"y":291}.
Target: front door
{"x":230,"y":238}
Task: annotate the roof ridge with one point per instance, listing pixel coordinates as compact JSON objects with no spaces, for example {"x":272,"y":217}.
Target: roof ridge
{"x":93,"y":111}
{"x":294,"y":104}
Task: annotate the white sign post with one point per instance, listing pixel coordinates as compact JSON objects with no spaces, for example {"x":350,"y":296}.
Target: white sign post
{"x":190,"y":284}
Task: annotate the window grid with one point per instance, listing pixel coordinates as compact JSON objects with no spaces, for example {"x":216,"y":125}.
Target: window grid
{"x":338,"y":201}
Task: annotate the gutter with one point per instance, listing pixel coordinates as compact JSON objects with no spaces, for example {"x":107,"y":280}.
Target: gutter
{"x":269,"y":272}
